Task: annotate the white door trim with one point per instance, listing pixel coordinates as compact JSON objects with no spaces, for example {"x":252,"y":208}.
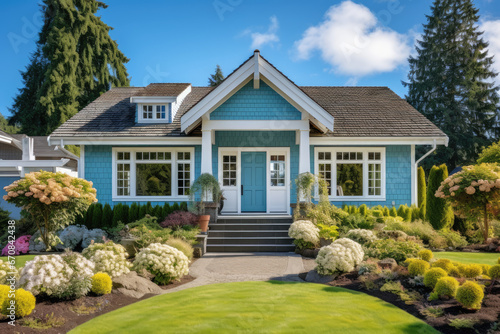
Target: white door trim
{"x":269,"y":151}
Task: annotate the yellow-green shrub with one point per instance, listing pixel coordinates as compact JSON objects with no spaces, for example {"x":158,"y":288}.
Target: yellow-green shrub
{"x":409,"y":260}
{"x":425,"y":255}
{"x":24,"y":303}
{"x":4,"y":292}
{"x":446,"y":286}
{"x":494,"y":271}
{"x":101,"y":284}
{"x":470,"y":270}
{"x":443,"y":264}
{"x":454,"y":272}
{"x":470,"y":295}
{"x":431,"y":276}
{"x":485,"y":268}
{"x":181,"y":245}
{"x":418,"y":267}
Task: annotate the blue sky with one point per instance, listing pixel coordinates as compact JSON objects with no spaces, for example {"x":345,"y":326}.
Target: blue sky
{"x":364,"y":43}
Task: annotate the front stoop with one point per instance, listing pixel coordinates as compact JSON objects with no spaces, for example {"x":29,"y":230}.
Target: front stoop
{"x":250,"y":234}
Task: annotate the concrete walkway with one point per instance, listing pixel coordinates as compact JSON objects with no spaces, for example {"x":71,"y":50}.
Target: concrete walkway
{"x":239,"y":267}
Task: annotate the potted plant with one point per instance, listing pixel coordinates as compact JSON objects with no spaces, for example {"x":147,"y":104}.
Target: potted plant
{"x":204,"y":190}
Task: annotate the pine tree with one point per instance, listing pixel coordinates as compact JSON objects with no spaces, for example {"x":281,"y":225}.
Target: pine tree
{"x":439,"y":212}
{"x":4,"y":126}
{"x":422,"y":192}
{"x":450,"y":81}
{"x":216,"y":78}
{"x":75,"y":61}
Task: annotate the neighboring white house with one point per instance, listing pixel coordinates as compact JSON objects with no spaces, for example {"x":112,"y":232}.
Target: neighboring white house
{"x":20,"y":154}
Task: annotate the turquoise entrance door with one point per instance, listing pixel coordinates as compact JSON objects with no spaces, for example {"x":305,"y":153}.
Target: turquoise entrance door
{"x":253,"y":182}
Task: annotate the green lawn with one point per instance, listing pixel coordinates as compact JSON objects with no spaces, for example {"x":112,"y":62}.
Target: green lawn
{"x":259,"y":307}
{"x":466,"y":257}
{"x":20,"y":259}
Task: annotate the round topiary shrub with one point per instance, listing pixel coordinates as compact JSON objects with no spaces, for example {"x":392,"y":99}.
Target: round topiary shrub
{"x":164,"y":262}
{"x":418,"y":267}
{"x":454,"y":272}
{"x":446,"y":287}
{"x":24,"y":304}
{"x":470,"y":295}
{"x":305,"y":233}
{"x":494,"y":271}
{"x":101,"y":284}
{"x":4,"y":292}
{"x":485,"y":268}
{"x":362,"y":236}
{"x":470,"y":270}
{"x":343,"y":255}
{"x":5,"y":270}
{"x":432,"y":275}
{"x":109,"y":258}
{"x":443,"y":264}
{"x":425,"y":255}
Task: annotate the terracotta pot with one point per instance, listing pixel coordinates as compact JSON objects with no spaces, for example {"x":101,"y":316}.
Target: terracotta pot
{"x":203,"y":221}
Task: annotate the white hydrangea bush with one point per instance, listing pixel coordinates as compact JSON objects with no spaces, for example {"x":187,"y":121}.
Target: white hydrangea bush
{"x":109,"y":258}
{"x":61,"y":276}
{"x":71,"y":237}
{"x":362,"y":236}
{"x":6,"y":271}
{"x":343,"y":255}
{"x":164,"y":262}
{"x":97,"y":235}
{"x":304,"y":231}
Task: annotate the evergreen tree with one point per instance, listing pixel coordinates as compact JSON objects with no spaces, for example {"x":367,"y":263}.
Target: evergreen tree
{"x":450,"y":81}
{"x":142,"y":211}
{"x":117,"y":214}
{"x":216,"y":78}
{"x":422,"y":192}
{"x":125,"y":213}
{"x":439,"y":212}
{"x":133,"y":213}
{"x":75,"y":61}
{"x":4,"y":126}
{"x":97,"y":216}
{"x":393,"y":212}
{"x":166,"y":211}
{"x":107,"y":216}
{"x":89,"y":215}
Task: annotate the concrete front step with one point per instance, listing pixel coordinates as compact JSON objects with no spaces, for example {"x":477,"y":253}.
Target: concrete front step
{"x":248,"y":233}
{"x":237,"y":248}
{"x":244,"y":240}
{"x":249,"y":226}
{"x":249,"y":219}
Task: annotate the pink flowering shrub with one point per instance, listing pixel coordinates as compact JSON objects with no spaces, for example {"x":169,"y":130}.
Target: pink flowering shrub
{"x":52,"y":199}
{"x":21,"y":246}
{"x":474,"y":193}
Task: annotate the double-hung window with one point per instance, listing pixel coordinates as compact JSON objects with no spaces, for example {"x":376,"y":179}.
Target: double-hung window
{"x":151,"y":112}
{"x":152,"y":172}
{"x":352,"y":173}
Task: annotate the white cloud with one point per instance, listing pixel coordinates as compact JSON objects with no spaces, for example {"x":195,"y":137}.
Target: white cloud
{"x":353,"y":42}
{"x":491,"y":29}
{"x":269,"y":37}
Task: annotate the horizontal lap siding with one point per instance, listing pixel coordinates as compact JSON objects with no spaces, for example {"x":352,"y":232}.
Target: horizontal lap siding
{"x":259,"y":139}
{"x":98,"y":169}
{"x":256,"y":104}
{"x":398,"y":177}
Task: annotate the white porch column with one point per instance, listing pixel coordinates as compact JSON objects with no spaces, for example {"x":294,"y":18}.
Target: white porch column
{"x":206,"y":151}
{"x":304,"y":152}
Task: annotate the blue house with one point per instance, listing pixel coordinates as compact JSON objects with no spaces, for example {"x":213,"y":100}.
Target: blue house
{"x":255,"y":132}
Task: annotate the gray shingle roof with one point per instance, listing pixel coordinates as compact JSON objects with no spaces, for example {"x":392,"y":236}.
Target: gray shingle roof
{"x":358,"y":112}
{"x":163,"y":89}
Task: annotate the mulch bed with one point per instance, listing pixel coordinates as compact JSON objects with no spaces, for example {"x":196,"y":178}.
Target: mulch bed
{"x":485,"y":317}
{"x":72,"y":310}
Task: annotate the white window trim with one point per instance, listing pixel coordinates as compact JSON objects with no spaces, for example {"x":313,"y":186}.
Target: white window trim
{"x":132,"y":161}
{"x":333,"y":197}
{"x":168,"y":113}
{"x":269,"y":151}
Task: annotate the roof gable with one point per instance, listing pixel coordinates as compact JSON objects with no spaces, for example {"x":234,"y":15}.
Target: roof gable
{"x":256,"y":69}
{"x":256,"y":104}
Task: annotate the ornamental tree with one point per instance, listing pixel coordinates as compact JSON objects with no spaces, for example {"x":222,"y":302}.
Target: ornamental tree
{"x":52,"y":199}
{"x":474,"y":193}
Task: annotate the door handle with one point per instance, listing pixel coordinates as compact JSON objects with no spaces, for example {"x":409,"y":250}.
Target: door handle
{"x":241,"y":190}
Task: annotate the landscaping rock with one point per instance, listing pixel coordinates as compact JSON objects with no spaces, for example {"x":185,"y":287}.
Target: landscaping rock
{"x":129,"y":245}
{"x":313,"y":277}
{"x":388,"y":263}
{"x":135,"y":286}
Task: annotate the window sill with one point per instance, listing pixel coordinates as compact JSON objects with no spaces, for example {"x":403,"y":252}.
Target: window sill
{"x":356,"y":199}
{"x":150,"y":198}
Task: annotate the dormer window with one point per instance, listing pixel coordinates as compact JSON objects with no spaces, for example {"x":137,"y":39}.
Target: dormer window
{"x":155,"y":112}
